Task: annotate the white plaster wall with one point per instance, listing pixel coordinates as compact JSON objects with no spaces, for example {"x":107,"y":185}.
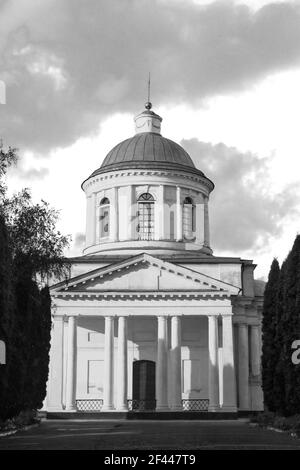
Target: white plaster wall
{"x":230,"y":273}
{"x":82,"y":268}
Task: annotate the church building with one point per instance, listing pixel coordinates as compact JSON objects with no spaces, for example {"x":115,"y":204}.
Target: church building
{"x":150,"y":319}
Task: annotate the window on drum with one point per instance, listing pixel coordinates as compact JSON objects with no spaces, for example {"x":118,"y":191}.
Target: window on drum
{"x":145,"y":226}
{"x":104,"y":217}
{"x":188,"y":218}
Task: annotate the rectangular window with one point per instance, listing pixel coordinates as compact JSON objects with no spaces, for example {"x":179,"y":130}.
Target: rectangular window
{"x":104,"y":222}
{"x":188,"y":220}
{"x":146,"y":221}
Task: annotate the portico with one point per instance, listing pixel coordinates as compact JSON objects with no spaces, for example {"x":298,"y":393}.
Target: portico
{"x":169,"y":312}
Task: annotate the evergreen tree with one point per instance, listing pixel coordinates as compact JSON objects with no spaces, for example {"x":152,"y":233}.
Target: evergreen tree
{"x":291,"y":329}
{"x":269,"y":356}
{"x":279,"y":378}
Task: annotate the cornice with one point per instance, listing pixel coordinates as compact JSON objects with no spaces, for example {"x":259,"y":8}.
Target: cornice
{"x":141,"y":295}
{"x":117,"y":174}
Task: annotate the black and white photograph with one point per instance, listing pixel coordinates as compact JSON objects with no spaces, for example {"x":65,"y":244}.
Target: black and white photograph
{"x":149,"y":228}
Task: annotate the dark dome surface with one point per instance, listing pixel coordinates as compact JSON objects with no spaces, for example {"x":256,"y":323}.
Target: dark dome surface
{"x":148,"y":147}
{"x":147,"y":150}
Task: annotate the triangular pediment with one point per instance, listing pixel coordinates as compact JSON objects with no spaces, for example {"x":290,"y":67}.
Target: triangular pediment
{"x":143,"y":273}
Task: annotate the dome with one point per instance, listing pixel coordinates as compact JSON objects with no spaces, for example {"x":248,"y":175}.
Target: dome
{"x":147,"y":150}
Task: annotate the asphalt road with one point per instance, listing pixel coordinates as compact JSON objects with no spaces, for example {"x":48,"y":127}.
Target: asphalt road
{"x":119,"y":435}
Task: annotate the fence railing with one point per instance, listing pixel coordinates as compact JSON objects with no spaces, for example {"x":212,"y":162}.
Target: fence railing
{"x":195,"y":404}
{"x":88,"y":405}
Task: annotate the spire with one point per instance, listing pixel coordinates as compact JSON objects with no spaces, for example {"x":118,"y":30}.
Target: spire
{"x":148,"y":105}
{"x":148,"y":121}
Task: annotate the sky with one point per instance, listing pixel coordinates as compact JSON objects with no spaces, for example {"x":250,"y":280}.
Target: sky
{"x":225,"y":77}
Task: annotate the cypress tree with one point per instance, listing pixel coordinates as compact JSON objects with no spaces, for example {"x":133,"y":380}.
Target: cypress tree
{"x":279,"y":378}
{"x":291,"y":329}
{"x":269,"y":352}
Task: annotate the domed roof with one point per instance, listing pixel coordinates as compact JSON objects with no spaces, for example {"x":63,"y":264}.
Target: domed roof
{"x":147,"y":150}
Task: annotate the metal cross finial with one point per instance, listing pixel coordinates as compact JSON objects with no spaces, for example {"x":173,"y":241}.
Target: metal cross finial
{"x":148,"y":105}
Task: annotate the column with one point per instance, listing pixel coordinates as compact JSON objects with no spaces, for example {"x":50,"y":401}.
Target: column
{"x":162,"y":365}
{"x":55,"y":385}
{"x":114,"y":214}
{"x":255,"y":350}
{"x":206,"y":222}
{"x":71,"y":364}
{"x":243,"y":366}
{"x":229,"y":385}
{"x":132,"y":214}
{"x":200,"y":223}
{"x":161,"y":212}
{"x":122,"y":364}
{"x":178,"y":215}
{"x":176,"y":363}
{"x":213,"y":366}
{"x":88,"y":221}
{"x":93,"y":219}
{"x":108,"y":364}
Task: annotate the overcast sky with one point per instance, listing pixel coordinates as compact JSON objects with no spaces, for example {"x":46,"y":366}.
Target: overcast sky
{"x":225,"y":79}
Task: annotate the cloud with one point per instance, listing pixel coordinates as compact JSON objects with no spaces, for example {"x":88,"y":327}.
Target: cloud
{"x":245,"y":213}
{"x":68,"y":64}
{"x":29,"y":174}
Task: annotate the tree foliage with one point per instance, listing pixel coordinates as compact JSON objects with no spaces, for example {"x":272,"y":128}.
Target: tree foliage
{"x":31,"y":252}
{"x":281,"y":326}
{"x":269,"y":356}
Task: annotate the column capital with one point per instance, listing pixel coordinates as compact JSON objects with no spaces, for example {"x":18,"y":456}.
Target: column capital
{"x":109,"y":317}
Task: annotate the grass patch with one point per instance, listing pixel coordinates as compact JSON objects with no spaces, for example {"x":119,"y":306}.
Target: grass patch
{"x":285,"y":423}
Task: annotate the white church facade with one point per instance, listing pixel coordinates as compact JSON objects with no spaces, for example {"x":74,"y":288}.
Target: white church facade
{"x":150,"y":319}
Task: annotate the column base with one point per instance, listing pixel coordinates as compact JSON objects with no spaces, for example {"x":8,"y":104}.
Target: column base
{"x":53,"y":408}
{"x":108,"y":408}
{"x":121,"y":408}
{"x":214,"y":408}
{"x":71,"y":408}
{"x":162,"y":408}
{"x":229,"y":408}
{"x":176,"y":408}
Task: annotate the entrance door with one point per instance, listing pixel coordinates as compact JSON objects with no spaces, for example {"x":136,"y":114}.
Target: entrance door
{"x":143,"y":386}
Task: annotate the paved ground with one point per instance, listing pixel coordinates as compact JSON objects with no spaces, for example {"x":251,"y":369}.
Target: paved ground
{"x":148,"y":435}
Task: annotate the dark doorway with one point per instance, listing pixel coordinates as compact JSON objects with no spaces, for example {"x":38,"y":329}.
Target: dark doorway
{"x":143,"y":386}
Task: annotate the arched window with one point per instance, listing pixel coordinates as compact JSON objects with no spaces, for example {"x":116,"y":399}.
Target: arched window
{"x":145,"y":226}
{"x":104,"y":217}
{"x":188,"y":219}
